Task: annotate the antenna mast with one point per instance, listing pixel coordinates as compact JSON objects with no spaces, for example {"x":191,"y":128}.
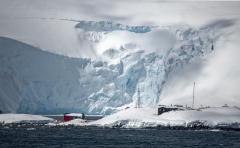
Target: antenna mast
{"x":193,"y":94}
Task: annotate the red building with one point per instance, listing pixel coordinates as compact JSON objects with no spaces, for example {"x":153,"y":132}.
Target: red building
{"x":71,"y":116}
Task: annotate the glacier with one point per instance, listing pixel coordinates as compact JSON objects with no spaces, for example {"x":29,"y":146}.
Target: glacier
{"x":106,"y":26}
{"x":42,"y":82}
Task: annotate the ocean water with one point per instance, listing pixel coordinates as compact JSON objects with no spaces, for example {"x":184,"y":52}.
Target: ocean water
{"x":116,"y":138}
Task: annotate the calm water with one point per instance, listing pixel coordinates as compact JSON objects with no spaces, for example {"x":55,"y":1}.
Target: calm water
{"x":116,"y":138}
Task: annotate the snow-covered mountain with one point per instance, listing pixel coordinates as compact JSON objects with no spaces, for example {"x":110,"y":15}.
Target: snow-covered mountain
{"x":55,"y":61}
{"x":37,"y":81}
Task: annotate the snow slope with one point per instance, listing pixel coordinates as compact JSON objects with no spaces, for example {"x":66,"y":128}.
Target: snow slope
{"x":24,"y":118}
{"x":147,"y":117}
{"x":61,"y":56}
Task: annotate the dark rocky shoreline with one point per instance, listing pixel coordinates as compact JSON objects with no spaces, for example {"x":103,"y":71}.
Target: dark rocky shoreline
{"x":71,"y":126}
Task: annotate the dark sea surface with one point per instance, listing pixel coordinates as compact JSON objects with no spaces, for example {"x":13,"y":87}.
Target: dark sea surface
{"x":116,"y":138}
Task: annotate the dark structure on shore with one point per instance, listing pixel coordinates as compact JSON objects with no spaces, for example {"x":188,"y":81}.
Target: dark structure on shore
{"x":164,"y":109}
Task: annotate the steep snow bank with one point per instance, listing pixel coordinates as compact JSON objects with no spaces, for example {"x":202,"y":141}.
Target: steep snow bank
{"x":34,"y":81}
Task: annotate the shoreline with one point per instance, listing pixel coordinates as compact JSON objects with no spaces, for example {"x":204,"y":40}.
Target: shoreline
{"x":30,"y":126}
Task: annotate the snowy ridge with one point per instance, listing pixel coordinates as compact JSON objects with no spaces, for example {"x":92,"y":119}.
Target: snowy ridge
{"x":106,"y":26}
{"x":47,"y":83}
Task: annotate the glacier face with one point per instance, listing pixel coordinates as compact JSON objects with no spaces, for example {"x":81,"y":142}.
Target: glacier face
{"x":106,"y":26}
{"x":40,"y":82}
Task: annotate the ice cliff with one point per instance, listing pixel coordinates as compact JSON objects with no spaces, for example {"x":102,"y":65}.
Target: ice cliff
{"x":105,"y":26}
{"x":41,"y":82}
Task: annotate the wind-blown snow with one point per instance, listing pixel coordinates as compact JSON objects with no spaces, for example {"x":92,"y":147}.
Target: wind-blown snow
{"x":53,"y":62}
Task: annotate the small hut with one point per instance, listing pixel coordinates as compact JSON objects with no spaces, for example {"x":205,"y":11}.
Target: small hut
{"x":71,"y":116}
{"x":164,"y":109}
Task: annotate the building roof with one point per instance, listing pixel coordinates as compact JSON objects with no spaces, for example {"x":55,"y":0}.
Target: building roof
{"x":74,"y":114}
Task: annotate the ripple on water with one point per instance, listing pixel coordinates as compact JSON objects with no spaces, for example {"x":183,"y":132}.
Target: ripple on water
{"x":116,"y":138}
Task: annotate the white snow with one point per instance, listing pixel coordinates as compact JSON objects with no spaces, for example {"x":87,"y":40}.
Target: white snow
{"x":15,"y":118}
{"x":75,"y":114}
{"x":147,"y":117}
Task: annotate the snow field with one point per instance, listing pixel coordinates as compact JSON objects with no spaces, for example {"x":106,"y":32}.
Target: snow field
{"x":147,"y":117}
{"x":16,"y":118}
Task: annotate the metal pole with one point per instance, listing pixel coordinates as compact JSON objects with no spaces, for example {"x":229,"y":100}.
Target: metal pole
{"x":193,"y":94}
{"x":138,"y":98}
